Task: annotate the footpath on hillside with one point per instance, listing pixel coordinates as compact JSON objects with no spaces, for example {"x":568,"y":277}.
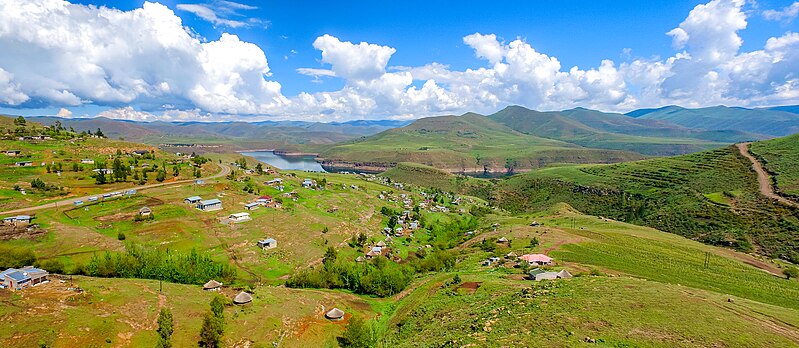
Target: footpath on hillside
{"x":763,"y":178}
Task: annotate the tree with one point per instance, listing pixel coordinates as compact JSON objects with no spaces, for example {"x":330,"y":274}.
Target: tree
{"x":99,"y":177}
{"x":330,"y":256}
{"x":175,"y":171}
{"x":259,"y":168}
{"x":20,"y":121}
{"x":791,"y":272}
{"x":358,"y":335}
{"x":161,"y":176}
{"x":213,"y":324}
{"x":99,"y":133}
{"x":165,"y":329}
{"x":534,"y":242}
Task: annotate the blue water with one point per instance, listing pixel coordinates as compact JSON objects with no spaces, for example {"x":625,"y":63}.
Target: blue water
{"x":304,"y":163}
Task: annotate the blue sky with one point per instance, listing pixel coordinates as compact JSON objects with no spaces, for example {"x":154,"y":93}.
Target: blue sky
{"x":628,"y":34}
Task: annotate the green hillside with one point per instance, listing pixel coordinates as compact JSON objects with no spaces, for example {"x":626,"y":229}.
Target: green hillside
{"x":762,"y":121}
{"x":596,"y":129}
{"x":710,"y":196}
{"x":781,"y":158}
{"x":468,"y":143}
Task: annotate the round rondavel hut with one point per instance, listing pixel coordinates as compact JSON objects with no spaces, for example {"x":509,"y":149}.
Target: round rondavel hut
{"x":334,"y":314}
{"x":242,"y":298}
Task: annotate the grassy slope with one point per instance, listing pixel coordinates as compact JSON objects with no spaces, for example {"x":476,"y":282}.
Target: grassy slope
{"x":781,"y":159}
{"x":668,"y":310}
{"x":466,"y":143}
{"x":672,"y":194}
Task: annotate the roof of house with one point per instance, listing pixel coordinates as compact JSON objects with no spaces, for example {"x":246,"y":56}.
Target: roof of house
{"x":250,"y":204}
{"x":212,"y":284}
{"x":193,"y":198}
{"x":211,"y":201}
{"x":377,"y":249}
{"x":535,"y":258}
{"x":381,"y":243}
{"x":564,"y":274}
{"x":334,"y":313}
{"x":18,"y":275}
{"x":242,"y":298}
{"x":238,"y":215}
{"x":265,"y":197}
{"x":268,"y":240}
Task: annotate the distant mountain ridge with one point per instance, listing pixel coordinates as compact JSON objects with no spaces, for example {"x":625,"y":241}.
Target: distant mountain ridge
{"x":774,"y":121}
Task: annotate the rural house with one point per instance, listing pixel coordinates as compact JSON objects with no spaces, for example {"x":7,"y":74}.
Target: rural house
{"x":210,"y":205}
{"x":239,"y":217}
{"x":539,"y":274}
{"x":252,"y":206}
{"x":24,"y":164}
{"x":18,"y":220}
{"x":145,"y":211}
{"x":17,"y":279}
{"x":87,"y":161}
{"x":536,"y":259}
{"x":13,"y":153}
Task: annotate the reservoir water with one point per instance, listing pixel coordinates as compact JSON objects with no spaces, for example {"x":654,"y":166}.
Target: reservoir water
{"x":304,"y":163}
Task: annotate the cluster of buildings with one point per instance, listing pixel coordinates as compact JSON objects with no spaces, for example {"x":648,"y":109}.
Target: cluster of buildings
{"x":263,"y":201}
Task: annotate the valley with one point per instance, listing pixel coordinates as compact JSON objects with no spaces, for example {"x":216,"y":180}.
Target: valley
{"x":419,"y":254}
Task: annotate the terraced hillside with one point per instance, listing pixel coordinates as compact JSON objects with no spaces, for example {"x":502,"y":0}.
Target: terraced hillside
{"x":470,"y":143}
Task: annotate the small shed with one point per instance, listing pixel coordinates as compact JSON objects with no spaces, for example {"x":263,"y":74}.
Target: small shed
{"x":242,"y":298}
{"x":502,"y":240}
{"x":212,"y":285}
{"x":268,"y":243}
{"x":192,"y":200}
{"x":334,"y":314}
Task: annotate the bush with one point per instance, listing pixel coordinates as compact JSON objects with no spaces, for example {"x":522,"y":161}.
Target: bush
{"x":121,"y":236}
{"x":16,"y":257}
{"x":359,"y":334}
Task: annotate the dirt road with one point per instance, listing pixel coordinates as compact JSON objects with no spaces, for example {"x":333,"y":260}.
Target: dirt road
{"x":763,"y":178}
{"x":225,"y":170}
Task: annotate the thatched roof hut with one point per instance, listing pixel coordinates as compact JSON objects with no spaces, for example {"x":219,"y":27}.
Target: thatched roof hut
{"x":381,"y":244}
{"x":334,"y":314}
{"x":511,"y":255}
{"x":242,"y":298}
{"x":212,"y":285}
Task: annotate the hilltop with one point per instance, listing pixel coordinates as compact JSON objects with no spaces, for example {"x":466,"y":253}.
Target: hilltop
{"x":470,"y":143}
{"x":597,"y":129}
{"x":778,"y":121}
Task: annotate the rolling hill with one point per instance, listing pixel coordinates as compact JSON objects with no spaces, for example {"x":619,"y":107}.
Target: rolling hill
{"x":778,"y":121}
{"x":597,"y":129}
{"x":236,"y":135}
{"x":470,"y":143}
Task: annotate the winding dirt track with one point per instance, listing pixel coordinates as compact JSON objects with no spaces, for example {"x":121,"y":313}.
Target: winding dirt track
{"x":762,"y":177}
{"x":225,"y":170}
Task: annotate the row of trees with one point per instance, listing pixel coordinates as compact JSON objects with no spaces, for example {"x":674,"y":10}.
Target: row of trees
{"x":147,"y":263}
{"x":380,"y":276}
